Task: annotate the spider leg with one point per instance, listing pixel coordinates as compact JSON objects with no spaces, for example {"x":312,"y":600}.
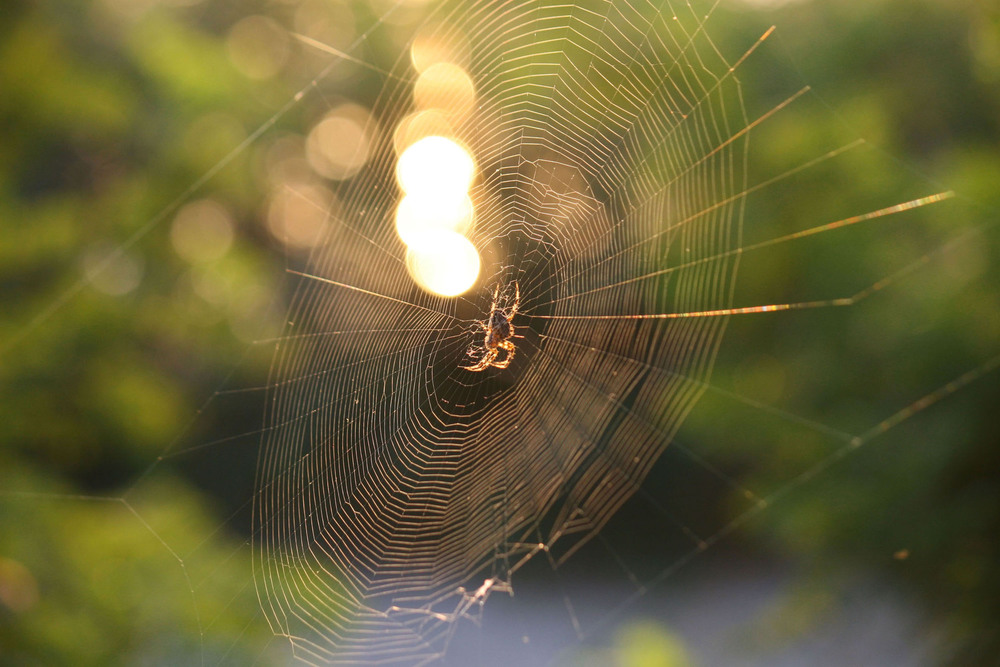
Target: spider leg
{"x":478,"y":325}
{"x":484,"y":363}
{"x":509,"y":348}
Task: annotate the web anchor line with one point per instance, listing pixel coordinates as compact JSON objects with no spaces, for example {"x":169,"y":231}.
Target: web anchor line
{"x":354,"y":288}
{"x":819,"y":229}
{"x":802,"y":305}
{"x":800,"y":480}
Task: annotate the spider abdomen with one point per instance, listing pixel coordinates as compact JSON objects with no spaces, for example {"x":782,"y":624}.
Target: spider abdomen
{"x":500,"y":329}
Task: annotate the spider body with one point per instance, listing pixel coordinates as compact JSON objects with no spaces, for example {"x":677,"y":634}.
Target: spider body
{"x":498,"y":334}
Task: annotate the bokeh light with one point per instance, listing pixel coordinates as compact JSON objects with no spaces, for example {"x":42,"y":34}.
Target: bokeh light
{"x":297,"y":213}
{"x":418,"y":125}
{"x":338,"y":146}
{"x":258,"y":46}
{"x":416,"y":215}
{"x":112,"y":271}
{"x":435,"y":43}
{"x":447,"y":87}
{"x":202,"y":231}
{"x":436,"y":167}
{"x":443,"y":262}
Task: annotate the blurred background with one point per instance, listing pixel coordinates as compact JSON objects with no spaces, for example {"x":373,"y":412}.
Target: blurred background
{"x":138,"y":297}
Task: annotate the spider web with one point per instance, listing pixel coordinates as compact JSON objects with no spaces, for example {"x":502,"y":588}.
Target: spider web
{"x":411,"y":488}
{"x":398,"y":490}
{"x":627,"y":184}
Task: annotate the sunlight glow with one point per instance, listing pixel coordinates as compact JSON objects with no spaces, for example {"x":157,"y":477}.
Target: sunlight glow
{"x":416,"y":126}
{"x":435,"y":43}
{"x":416,"y":216}
{"x":435,"y":172}
{"x":436,"y":167}
{"x":447,"y":87}
{"x":443,"y":262}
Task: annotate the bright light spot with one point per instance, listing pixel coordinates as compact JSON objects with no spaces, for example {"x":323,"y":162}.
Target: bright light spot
{"x":447,"y":87}
{"x":114,"y":272}
{"x":202,"y":231}
{"x":443,"y":262}
{"x":430,"y":46}
{"x":435,"y":167}
{"x":258,"y":46}
{"x":338,"y":146}
{"x":416,"y":126}
{"x":416,"y":216}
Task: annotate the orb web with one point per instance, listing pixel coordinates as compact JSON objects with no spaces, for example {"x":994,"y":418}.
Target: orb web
{"x":398,"y":489}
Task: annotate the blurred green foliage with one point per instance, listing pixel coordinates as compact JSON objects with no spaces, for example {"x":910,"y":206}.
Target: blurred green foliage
{"x":110,"y":111}
{"x":921,"y":82}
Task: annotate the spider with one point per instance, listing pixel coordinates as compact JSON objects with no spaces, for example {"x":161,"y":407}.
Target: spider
{"x":499,"y":332}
